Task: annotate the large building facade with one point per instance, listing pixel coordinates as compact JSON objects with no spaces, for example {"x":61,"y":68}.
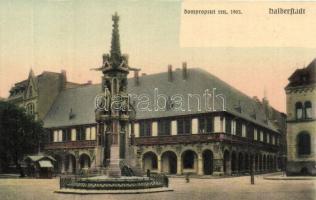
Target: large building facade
{"x":301,"y":121}
{"x":235,"y":133}
{"x":186,"y":121}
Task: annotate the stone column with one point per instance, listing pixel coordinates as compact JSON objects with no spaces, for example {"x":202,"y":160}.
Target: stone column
{"x":70,"y":165}
{"x":63,"y":164}
{"x":200,"y":165}
{"x":159,"y":164}
{"x":114,"y":166}
{"x":179,"y":166}
{"x":77,"y":164}
{"x":228,"y":167}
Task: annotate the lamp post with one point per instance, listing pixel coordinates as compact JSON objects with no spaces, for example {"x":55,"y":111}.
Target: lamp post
{"x":252,"y":177}
{"x":250,"y":164}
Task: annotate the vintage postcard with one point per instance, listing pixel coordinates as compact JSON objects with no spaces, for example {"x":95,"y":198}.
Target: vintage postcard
{"x":157,"y":99}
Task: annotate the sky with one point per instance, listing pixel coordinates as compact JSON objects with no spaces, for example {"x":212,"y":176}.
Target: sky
{"x":72,"y":35}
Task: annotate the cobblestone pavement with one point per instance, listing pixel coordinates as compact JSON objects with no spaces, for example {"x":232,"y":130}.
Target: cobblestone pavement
{"x":215,"y":189}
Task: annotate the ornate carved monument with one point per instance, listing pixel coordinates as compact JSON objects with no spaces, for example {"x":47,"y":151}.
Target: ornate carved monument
{"x":113,"y":115}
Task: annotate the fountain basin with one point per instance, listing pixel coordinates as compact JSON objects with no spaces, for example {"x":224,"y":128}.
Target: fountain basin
{"x":104,"y":184}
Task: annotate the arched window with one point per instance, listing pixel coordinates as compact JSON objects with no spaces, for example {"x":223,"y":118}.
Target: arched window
{"x":304,"y":144}
{"x":299,"y":110}
{"x":30,"y":108}
{"x":308,"y":110}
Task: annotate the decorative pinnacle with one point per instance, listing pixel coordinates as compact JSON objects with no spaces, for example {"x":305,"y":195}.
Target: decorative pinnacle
{"x":115,"y":43}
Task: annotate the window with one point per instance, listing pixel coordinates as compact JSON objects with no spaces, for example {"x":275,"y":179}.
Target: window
{"x":205,"y":124}
{"x":255,"y":134}
{"x":304,"y":144}
{"x":264,"y":137}
{"x":51,"y":136}
{"x":299,"y":110}
{"x":66,"y":135}
{"x":145,"y":128}
{"x":233,"y":127}
{"x":30,"y":108}
{"x":238,"y":128}
{"x":308,"y":110}
{"x":90,"y":133}
{"x":228,"y":126}
{"x":250,"y":132}
{"x":164,"y":127}
{"x":261,"y":136}
{"x":243,"y":131}
{"x":184,"y":126}
{"x":80,"y":133}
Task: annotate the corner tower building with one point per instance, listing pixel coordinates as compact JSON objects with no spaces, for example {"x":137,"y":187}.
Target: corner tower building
{"x":301,"y":121}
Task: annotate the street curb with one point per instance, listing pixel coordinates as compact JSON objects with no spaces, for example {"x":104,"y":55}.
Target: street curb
{"x":85,"y":192}
{"x":276,"y":178}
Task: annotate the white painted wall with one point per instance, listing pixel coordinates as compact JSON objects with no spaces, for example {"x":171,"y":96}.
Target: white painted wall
{"x":129,"y":129}
{"x":233,"y":129}
{"x":60,"y":135}
{"x":223,"y":125}
{"x":154,"y":127}
{"x":243,"y":132}
{"x":73,"y":135}
{"x":55,"y":136}
{"x":136,"y":129}
{"x":93,"y":133}
{"x":88,"y":133}
{"x":174,"y":130}
{"x":217,"y":124}
{"x":195,"y":129}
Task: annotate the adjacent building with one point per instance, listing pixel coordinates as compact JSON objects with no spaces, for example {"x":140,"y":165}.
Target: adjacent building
{"x":37,"y":93}
{"x":301,"y":121}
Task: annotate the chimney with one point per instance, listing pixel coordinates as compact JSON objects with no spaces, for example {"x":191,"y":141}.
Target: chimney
{"x":184,"y":71}
{"x":170,"y":78}
{"x":136,"y":77}
{"x":64,"y":74}
{"x":63,"y":79}
{"x":266,"y":107}
{"x":89,"y":82}
{"x":144,"y":74}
